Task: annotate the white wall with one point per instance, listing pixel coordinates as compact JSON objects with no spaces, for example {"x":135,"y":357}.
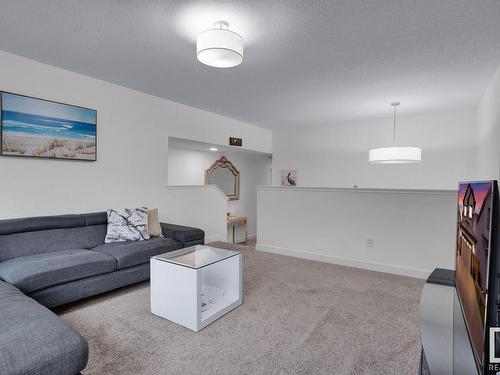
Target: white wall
{"x":201,"y":207}
{"x":413,"y":231}
{"x":488,"y":146}
{"x":133,"y":131}
{"x":337,"y":155}
{"x":187,"y":167}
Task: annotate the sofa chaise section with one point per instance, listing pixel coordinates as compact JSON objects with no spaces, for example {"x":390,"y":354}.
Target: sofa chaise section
{"x":34,"y":341}
{"x":34,"y":272}
{"x":56,"y":260}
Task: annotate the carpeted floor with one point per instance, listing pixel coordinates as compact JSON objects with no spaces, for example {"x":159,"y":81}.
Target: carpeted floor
{"x":297,"y":317}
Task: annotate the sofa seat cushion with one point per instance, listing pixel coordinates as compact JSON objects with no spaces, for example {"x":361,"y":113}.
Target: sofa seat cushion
{"x":128,"y":254}
{"x":33,"y":340}
{"x":35,"y":272}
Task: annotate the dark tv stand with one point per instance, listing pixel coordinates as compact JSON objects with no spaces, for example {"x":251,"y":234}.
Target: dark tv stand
{"x":446,"y":348}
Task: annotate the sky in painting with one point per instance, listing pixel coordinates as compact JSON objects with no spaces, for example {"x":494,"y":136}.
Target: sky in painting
{"x":480,"y":189}
{"x":18,"y":103}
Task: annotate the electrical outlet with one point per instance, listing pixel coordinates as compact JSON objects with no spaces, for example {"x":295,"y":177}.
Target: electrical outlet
{"x":370,"y":242}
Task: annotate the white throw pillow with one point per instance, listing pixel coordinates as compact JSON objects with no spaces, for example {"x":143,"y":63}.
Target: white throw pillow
{"x":127,"y":224}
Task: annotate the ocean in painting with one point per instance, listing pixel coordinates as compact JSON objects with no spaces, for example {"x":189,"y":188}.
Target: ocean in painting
{"x":40,"y":128}
{"x":26,"y":123}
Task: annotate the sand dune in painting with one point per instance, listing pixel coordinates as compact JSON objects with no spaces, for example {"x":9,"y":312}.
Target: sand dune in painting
{"x":43,"y":146}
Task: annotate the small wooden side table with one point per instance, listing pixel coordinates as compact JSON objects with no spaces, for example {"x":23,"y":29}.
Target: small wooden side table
{"x":234,"y":221}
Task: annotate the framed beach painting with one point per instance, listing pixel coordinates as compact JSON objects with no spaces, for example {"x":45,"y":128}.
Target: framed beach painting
{"x":38,"y":128}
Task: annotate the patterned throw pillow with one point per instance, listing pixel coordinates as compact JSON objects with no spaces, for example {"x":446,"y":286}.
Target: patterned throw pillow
{"x":127,"y":224}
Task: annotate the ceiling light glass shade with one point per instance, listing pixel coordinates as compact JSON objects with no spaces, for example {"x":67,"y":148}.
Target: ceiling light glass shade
{"x":219,"y":47}
{"x":395,"y":155}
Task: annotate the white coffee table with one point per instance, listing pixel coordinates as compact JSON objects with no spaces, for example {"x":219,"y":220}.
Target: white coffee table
{"x":195,"y":286}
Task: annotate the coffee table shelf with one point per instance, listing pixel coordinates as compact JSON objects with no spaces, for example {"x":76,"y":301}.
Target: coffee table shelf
{"x":182,"y":280}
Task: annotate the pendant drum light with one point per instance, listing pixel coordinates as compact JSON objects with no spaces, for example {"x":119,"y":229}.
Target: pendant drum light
{"x":220,"y":47}
{"x":395,"y":154}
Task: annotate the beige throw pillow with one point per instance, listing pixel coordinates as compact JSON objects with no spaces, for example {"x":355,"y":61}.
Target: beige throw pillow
{"x":154,"y":226}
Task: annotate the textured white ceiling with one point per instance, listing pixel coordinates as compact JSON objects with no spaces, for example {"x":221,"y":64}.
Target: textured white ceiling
{"x":307,"y":63}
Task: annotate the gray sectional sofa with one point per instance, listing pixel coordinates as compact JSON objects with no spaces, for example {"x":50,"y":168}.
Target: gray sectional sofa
{"x":55,"y":260}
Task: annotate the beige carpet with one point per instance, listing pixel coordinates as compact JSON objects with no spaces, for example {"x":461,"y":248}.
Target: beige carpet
{"x":297,"y":317}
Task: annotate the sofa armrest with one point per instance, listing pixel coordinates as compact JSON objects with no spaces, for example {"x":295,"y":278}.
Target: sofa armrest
{"x":188,"y":236}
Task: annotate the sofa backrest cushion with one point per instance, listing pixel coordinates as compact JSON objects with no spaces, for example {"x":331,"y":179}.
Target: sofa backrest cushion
{"x":30,"y":236}
{"x":31,"y":224}
{"x":96,"y":218}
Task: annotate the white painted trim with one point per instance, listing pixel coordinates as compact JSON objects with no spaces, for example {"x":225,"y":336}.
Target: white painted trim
{"x":356,"y":263}
{"x":358,"y":190}
{"x":249,"y":237}
{"x":185,"y":187}
{"x":215,"y":238}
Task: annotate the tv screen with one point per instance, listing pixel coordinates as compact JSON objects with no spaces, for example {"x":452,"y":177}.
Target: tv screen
{"x":476,"y":260}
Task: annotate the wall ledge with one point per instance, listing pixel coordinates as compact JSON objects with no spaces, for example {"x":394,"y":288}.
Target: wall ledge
{"x":200,"y":187}
{"x":358,"y":190}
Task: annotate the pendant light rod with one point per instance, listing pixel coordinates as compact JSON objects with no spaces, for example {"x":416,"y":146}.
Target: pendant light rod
{"x":395,"y":105}
{"x":395,"y":154}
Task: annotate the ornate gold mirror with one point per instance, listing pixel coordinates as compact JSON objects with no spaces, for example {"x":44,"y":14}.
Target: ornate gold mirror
{"x":225,"y":175}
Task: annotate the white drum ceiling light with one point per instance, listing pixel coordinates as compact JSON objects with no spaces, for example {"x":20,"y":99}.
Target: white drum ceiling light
{"x":220,"y":47}
{"x":395,"y":154}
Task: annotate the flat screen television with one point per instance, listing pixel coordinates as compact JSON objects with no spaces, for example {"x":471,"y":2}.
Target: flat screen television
{"x":476,"y":262}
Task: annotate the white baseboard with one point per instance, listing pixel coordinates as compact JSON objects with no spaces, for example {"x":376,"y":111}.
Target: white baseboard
{"x":242,"y":239}
{"x":215,"y":238}
{"x":367,"y":265}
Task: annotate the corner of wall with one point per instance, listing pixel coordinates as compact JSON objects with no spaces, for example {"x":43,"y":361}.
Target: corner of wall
{"x":488,"y":131}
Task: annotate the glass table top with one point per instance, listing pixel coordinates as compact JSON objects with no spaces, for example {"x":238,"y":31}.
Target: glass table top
{"x":196,"y":256}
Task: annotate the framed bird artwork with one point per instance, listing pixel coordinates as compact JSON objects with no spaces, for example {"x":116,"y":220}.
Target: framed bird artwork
{"x":288,"y":177}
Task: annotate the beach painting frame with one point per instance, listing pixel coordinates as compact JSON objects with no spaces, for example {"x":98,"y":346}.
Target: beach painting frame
{"x":39,"y":128}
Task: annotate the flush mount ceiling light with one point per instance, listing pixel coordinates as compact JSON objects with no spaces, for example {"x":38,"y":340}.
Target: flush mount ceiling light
{"x":213,"y":149}
{"x":395,"y":154}
{"x":220,"y":47}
